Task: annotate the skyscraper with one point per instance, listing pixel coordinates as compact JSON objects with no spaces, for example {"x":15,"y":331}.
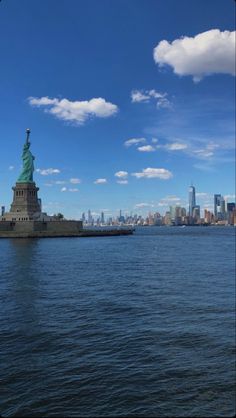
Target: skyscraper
{"x":83,"y":217}
{"x":192,"y":199}
{"x":217,"y":204}
{"x":230,"y":206}
{"x":196,"y":213}
{"x":172,"y":212}
{"x":222,"y":205}
{"x":121,"y":218}
{"x":90,"y":219}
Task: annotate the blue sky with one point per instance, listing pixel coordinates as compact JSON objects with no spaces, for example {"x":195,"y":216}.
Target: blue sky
{"x":88,"y":77}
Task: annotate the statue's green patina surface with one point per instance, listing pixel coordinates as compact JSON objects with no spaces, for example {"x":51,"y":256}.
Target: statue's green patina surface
{"x":26,"y":175}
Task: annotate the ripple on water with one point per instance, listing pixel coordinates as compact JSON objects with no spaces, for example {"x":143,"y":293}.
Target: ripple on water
{"x":133,"y":326}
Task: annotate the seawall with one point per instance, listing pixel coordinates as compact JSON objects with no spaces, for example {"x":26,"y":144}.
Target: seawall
{"x":54,"y":229}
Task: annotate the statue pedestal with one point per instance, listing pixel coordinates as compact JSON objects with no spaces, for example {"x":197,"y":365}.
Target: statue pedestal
{"x":25,"y":201}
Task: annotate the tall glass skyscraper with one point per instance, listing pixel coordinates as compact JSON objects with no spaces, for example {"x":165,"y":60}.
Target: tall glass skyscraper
{"x":217,"y":201}
{"x":192,"y":199}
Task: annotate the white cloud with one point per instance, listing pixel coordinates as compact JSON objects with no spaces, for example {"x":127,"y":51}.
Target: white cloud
{"x":230,"y":196}
{"x":169,"y":200}
{"x":208,"y":52}
{"x":212,"y":146}
{"x":134,"y":141}
{"x":138,"y":96}
{"x":122,"y":181}
{"x":64,"y":189}
{"x":149,"y":173}
{"x":47,"y":171}
{"x":156,"y":94}
{"x":206,"y":152}
{"x":146,"y":148}
{"x":203,"y":153}
{"x":100,"y":181}
{"x":121,"y":174}
{"x":75,"y":111}
{"x":75,"y":181}
{"x":73,"y":190}
{"x":196,"y":150}
{"x":172,"y":146}
{"x":144,"y":205}
{"x":176,"y":146}
{"x":164,"y":103}
{"x":59,"y":182}
{"x":11,"y":167}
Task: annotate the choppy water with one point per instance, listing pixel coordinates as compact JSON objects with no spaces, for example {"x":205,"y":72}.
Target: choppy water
{"x":138,"y":325}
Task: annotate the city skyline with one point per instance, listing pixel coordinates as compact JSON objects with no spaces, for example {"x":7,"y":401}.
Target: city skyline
{"x":116,"y":122}
{"x":221,"y":210}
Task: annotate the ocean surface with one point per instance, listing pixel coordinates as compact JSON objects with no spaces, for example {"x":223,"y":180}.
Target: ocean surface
{"x":139,"y":326}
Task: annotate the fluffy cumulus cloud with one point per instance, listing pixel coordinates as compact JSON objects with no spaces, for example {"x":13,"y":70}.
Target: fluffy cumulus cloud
{"x":121,"y":174}
{"x":122,"y":177}
{"x":75,"y":111}
{"x":146,"y":148}
{"x":207,"y":53}
{"x":100,"y":181}
{"x":150,"y":173}
{"x":138,"y":96}
{"x":145,"y":96}
{"x":47,"y":171}
{"x":134,"y":141}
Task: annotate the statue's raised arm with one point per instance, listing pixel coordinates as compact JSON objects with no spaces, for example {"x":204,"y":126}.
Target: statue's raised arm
{"x":26,"y":175}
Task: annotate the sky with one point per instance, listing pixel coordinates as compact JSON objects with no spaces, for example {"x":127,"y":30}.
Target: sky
{"x":128,"y":102}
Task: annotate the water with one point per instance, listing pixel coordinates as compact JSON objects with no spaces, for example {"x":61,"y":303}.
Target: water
{"x":138,"y":325}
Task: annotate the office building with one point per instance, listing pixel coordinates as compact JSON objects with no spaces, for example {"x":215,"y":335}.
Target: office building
{"x":217,"y":201}
{"x":192,"y":200}
{"x":196,"y":214}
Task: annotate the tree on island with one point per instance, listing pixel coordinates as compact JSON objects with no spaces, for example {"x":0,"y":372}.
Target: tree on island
{"x":59,"y":216}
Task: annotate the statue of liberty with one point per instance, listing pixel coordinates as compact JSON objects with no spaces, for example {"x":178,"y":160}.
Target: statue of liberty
{"x":26,"y":175}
